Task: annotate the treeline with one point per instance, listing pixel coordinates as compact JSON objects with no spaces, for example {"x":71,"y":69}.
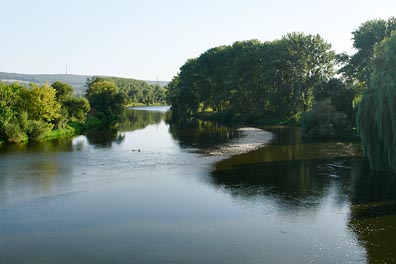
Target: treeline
{"x":138,"y":92}
{"x":300,"y":76}
{"x":275,"y":80}
{"x":254,"y":78}
{"x":36,"y":112}
{"x":281,"y":78}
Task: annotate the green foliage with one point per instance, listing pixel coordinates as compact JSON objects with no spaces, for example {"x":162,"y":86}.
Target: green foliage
{"x":137,"y":92}
{"x":323,"y":121}
{"x":41,"y":103}
{"x":376,"y":115}
{"x":359,"y":66}
{"x":302,"y":61}
{"x":69,"y":130}
{"x":37,"y":129}
{"x":105,"y":99}
{"x":64,"y":91}
{"x":31,"y":113}
{"x":74,"y":109}
{"x":341,"y":95}
{"x":12,"y":132}
{"x":93,"y":122}
{"x":37,"y":112}
{"x":77,"y":109}
{"x":252,"y":79}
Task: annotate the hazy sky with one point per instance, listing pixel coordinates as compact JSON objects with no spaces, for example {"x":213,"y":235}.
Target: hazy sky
{"x":148,"y":38}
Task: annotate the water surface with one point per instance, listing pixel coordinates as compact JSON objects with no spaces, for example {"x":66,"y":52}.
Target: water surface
{"x":153,"y":193}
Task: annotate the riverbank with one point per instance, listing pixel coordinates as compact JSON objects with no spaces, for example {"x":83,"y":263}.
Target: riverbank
{"x":71,"y":129}
{"x":241,"y":120}
{"x":245,"y":119}
{"x":142,"y":104}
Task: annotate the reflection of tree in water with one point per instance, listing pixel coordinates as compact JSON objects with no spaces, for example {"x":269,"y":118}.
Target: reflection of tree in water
{"x":293,"y":185}
{"x":196,"y":133}
{"x":297,"y":176}
{"x":373,"y":213}
{"x":295,"y":173}
{"x":34,"y":168}
{"x":136,"y":119}
{"x":55,"y":145}
{"x":130,"y":120}
{"x":104,"y":138}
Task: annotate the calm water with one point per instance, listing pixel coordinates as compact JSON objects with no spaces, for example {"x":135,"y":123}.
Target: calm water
{"x":149,"y":194}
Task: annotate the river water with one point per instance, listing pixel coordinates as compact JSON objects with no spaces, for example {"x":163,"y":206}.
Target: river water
{"x":159,"y":191}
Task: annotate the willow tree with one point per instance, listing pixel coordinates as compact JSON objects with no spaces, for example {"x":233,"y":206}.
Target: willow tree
{"x":376,"y":116}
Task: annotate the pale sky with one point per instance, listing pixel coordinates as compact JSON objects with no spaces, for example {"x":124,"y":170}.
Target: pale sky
{"x":149,"y":38}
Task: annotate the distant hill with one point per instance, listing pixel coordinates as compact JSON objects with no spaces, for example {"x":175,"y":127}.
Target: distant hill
{"x":78,"y":81}
{"x":160,"y":83}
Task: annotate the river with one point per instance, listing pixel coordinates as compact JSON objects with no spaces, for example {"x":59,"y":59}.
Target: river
{"x":159,"y":191}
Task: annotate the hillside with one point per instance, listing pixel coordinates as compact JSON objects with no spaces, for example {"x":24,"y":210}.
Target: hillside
{"x":77,"y":81}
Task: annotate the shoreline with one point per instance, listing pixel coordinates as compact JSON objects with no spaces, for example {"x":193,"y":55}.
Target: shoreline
{"x":250,"y":139}
{"x":264,"y":121}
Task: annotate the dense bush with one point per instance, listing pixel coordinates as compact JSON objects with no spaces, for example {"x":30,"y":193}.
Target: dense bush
{"x":31,"y":113}
{"x":323,"y":121}
{"x":37,"y":129}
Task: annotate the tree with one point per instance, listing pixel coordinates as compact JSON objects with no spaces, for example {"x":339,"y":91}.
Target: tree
{"x":254,"y":78}
{"x":340,"y":93}
{"x":73,"y":109}
{"x":11,"y":116}
{"x":135,"y":91}
{"x":41,"y":103}
{"x":301,"y":62}
{"x":359,"y":66}
{"x":183,"y":89}
{"x":64,"y":91}
{"x":376,"y":115}
{"x":77,"y":109}
{"x":105,"y":99}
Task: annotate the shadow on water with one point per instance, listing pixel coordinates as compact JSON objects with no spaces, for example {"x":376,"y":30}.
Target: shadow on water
{"x":195,"y":133}
{"x":297,"y":175}
{"x":373,"y":213}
